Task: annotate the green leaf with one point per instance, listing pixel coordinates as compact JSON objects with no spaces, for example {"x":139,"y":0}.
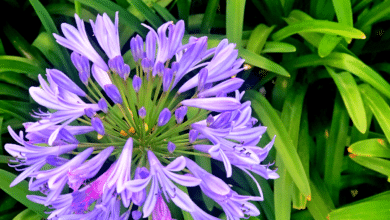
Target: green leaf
{"x":184,"y":7}
{"x":17,"y":109}
{"x":318,"y":26}
{"x":27,"y":214}
{"x":258,"y":38}
{"x":235,"y":20}
{"x":327,"y":44}
{"x":16,"y":79}
{"x":371,"y":148}
{"x":377,"y":164}
{"x":349,"y":91}
{"x":278,"y":47}
{"x":209,"y":16}
{"x":13,"y":91}
{"x":150,"y":16}
{"x":321,"y":203}
{"x":377,"y":13}
{"x":378,"y":106}
{"x":23,"y":47}
{"x":49,"y":47}
{"x":343,"y":11}
{"x":50,"y":27}
{"x":3,"y":158}
{"x":163,"y":12}
{"x":366,"y":210}
{"x":335,"y":146}
{"x":346,"y":62}
{"x":19,"y":192}
{"x":2,"y":51}
{"x":19,"y":65}
{"x":69,"y":10}
{"x":262,"y":62}
{"x":283,"y":142}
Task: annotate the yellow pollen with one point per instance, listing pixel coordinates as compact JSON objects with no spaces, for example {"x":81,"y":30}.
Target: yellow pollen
{"x":146,"y":127}
{"x":123,"y":133}
{"x":381,"y":141}
{"x":234,"y":76}
{"x":350,"y":150}
{"x":308,"y":198}
{"x":132,"y":130}
{"x":247,"y":66}
{"x":99,"y":136}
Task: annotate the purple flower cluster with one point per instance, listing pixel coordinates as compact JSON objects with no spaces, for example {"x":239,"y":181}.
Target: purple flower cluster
{"x":141,"y":125}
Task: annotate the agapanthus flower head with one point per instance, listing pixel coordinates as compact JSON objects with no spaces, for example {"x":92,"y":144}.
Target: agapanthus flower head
{"x":143,"y":123}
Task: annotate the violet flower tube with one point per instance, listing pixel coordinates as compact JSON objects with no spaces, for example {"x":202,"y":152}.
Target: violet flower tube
{"x":143,"y":126}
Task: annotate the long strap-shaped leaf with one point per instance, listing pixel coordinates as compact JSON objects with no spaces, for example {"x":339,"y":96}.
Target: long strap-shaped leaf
{"x":19,"y":192}
{"x":283,"y":142}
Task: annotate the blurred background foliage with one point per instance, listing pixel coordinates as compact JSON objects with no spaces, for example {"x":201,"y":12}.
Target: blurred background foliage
{"x":318,"y":78}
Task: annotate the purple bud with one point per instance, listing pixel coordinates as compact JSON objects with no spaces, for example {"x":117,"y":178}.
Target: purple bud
{"x":103,"y":105}
{"x":113,"y":92}
{"x":175,"y":67}
{"x":193,"y":135}
{"x":137,"y":83}
{"x":64,"y":82}
{"x":89,"y":112}
{"x":209,"y":120}
{"x":164,"y":117}
{"x":167,"y":79}
{"x":147,"y":65}
{"x":180,"y":113}
{"x":142,"y":112}
{"x":171,"y":147}
{"x":136,"y":46}
{"x":202,"y":77}
{"x":82,"y":65}
{"x":118,"y":66}
{"x":136,"y":214}
{"x":97,"y":124}
{"x":158,"y":69}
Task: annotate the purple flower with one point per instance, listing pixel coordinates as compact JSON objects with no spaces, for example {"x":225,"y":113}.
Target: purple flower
{"x":77,"y":40}
{"x":171,"y":147}
{"x":137,"y":83}
{"x":141,"y":160}
{"x":164,"y":117}
{"x":142,"y":112}
{"x":113,"y":92}
{"x":162,"y":176}
{"x":180,"y":113}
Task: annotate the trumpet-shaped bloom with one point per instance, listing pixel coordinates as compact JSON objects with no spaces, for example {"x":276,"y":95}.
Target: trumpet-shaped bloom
{"x":96,"y":151}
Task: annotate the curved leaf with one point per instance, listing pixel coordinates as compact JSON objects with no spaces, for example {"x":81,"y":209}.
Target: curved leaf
{"x":346,"y":62}
{"x":262,"y":62}
{"x":278,"y":47}
{"x":371,"y":148}
{"x":258,"y":38}
{"x":318,"y":26}
{"x":19,"y":65}
{"x":378,"y":106}
{"x":349,"y":91}
{"x":150,"y":16}
{"x":19,"y":192}
{"x":283,"y":142}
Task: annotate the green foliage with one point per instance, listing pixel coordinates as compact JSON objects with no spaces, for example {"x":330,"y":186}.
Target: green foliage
{"x":316,"y":75}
